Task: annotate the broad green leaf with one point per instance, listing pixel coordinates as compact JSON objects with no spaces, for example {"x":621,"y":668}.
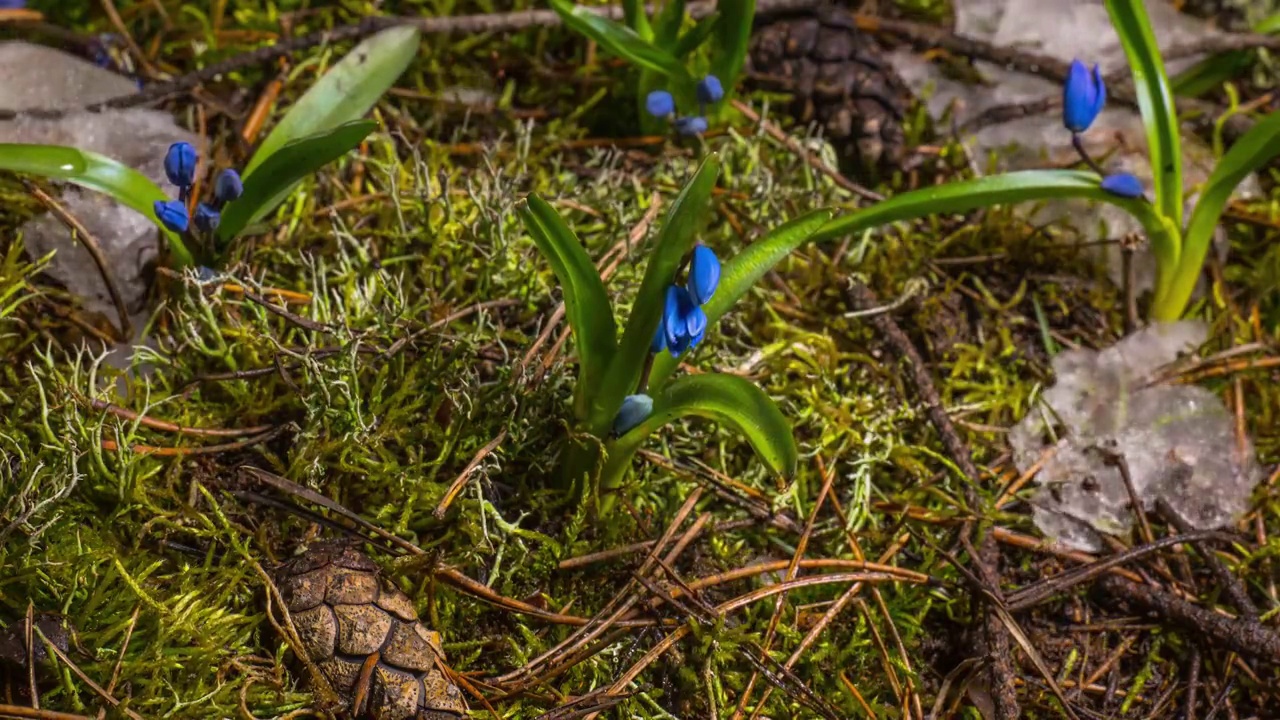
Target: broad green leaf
{"x":728,"y":399}
{"x":733,"y":34}
{"x":619,"y":40}
{"x":1155,"y":100}
{"x":698,"y":34}
{"x":346,"y":92}
{"x":1249,"y":154}
{"x":738,"y":275}
{"x":272,"y":181}
{"x":667,"y":25}
{"x":99,"y":173}
{"x":586,"y":302}
{"x":675,"y":240}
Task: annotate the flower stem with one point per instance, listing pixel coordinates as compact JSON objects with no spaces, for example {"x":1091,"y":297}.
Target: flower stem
{"x":644,"y":373}
{"x":1078,"y":144}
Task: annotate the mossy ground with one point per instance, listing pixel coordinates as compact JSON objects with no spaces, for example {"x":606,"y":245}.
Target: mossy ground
{"x":433,"y":297}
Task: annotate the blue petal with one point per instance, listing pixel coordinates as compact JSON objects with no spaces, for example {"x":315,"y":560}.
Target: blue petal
{"x":635,"y":409}
{"x":660,"y":104}
{"x":694,"y":125}
{"x":695,"y":339}
{"x":172,"y":214}
{"x":710,"y":90}
{"x":180,"y":164}
{"x":704,"y":274}
{"x":677,"y":348}
{"x":659,"y":337}
{"x":1083,"y":95}
{"x":12,"y":4}
{"x":207,"y":218}
{"x":673,"y":323}
{"x":1123,"y":184}
{"x":228,"y":187}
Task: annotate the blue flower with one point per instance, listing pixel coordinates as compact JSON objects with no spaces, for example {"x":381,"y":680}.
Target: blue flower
{"x":12,"y":4}
{"x":704,"y":273}
{"x":684,"y":323}
{"x":173,"y":214}
{"x":180,"y":164}
{"x":1123,"y":184}
{"x":228,"y":187}
{"x":709,"y":90}
{"x":207,"y":218}
{"x":693,"y":125}
{"x":659,"y":338}
{"x":635,"y":409}
{"x":660,"y":104}
{"x":1083,"y":95}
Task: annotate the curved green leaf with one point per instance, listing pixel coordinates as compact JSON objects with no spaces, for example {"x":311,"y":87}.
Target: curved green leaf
{"x":1155,"y":100}
{"x":697,"y":35}
{"x":728,"y":399}
{"x":269,"y":185}
{"x":99,"y":173}
{"x":733,"y":35}
{"x":666,"y":26}
{"x":675,"y":239}
{"x":1255,"y":149}
{"x":619,"y":40}
{"x":346,"y":92}
{"x":740,"y":273}
{"x":586,"y":302}
{"x":633,"y":12}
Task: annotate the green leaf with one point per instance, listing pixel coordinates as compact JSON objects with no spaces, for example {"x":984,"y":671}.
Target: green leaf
{"x":586,"y":302}
{"x":268,"y":185}
{"x":727,"y":399}
{"x":619,"y":40}
{"x":99,"y":173}
{"x":675,"y":240}
{"x":346,"y":92}
{"x":739,"y":274}
{"x":634,"y":14}
{"x":697,"y":35}
{"x":1211,"y":72}
{"x":667,"y":25}
{"x":1248,"y":155}
{"x":1155,"y":100}
{"x":733,"y":35}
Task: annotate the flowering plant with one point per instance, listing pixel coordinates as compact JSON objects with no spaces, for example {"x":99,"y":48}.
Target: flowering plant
{"x":614,"y":407}
{"x":661,"y":52}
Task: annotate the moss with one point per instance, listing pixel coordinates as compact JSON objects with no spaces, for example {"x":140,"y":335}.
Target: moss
{"x":432,"y":297}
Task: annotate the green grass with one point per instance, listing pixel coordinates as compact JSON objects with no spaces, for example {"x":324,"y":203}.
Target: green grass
{"x":98,"y":534}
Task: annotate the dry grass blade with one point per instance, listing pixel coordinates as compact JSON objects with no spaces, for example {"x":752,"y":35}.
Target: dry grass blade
{"x":456,"y":486}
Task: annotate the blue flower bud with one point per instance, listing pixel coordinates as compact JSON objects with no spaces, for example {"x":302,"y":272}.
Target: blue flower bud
{"x":207,"y":218}
{"x":1123,"y":184}
{"x":673,"y":320}
{"x":694,"y":125}
{"x":695,"y":323}
{"x":173,"y":215}
{"x":710,"y":90}
{"x":228,"y":186}
{"x":704,"y":273}
{"x":1083,"y":95}
{"x":660,"y":104}
{"x":180,"y":164}
{"x":635,"y":409}
{"x":659,"y":338}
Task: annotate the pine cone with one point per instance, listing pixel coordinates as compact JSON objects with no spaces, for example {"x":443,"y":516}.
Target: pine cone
{"x":837,"y":77}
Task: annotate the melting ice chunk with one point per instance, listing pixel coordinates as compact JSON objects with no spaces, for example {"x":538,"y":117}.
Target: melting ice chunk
{"x":1177,"y":440}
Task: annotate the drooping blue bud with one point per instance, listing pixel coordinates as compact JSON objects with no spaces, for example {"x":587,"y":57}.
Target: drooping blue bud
{"x":709,"y":90}
{"x":180,"y":164}
{"x":693,"y":125}
{"x":228,"y":186}
{"x":635,"y":410}
{"x":695,"y":323}
{"x":172,"y":214}
{"x":207,"y":218}
{"x":659,"y":338}
{"x":1123,"y":184}
{"x":673,"y":321}
{"x":660,"y":104}
{"x":1083,"y":95}
{"x":704,"y":273}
